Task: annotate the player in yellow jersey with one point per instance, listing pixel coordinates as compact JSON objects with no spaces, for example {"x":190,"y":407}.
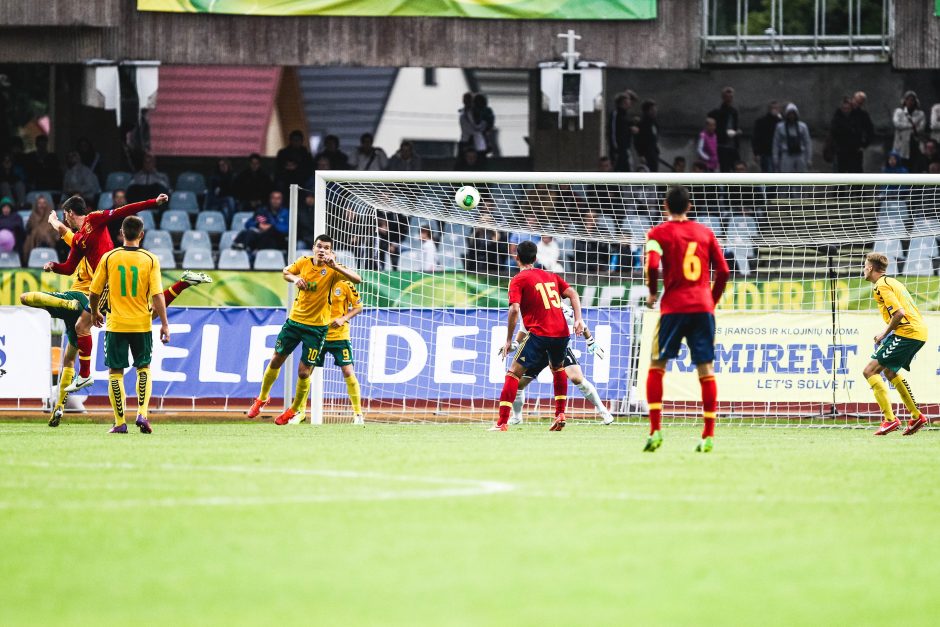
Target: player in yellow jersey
{"x":896,"y":346}
{"x":307,"y":323}
{"x":131,"y":277}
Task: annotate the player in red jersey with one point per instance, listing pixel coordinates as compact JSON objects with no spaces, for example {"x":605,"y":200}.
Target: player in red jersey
{"x":688,"y":251}
{"x":536,"y":295}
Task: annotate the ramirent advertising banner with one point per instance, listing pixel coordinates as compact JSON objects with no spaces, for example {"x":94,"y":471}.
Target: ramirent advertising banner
{"x":493,"y":9}
{"x":415,"y":354}
{"x":791,"y":358}
{"x":25,"y":361}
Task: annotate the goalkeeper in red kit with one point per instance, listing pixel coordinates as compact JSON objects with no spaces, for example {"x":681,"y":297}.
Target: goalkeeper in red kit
{"x":689,"y":252}
{"x":536,"y":295}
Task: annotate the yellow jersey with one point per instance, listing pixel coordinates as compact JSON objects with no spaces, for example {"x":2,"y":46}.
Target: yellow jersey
{"x":132,"y":278}
{"x":313,"y":305}
{"x":345,"y":299}
{"x":891,"y":295}
{"x":83,"y":274}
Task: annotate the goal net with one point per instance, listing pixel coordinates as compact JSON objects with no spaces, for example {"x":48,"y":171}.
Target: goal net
{"x":795,"y":325}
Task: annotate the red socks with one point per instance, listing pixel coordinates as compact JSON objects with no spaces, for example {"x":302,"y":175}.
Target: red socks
{"x":654,"y":397}
{"x":709,"y":404}
{"x":560,"y":387}
{"x":510,"y":388}
{"x":169,"y":295}
{"x":84,"y":355}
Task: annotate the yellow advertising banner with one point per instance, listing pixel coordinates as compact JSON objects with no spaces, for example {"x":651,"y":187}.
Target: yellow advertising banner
{"x":791,"y":357}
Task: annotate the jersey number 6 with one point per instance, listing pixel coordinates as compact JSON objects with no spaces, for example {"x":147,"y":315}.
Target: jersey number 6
{"x":691,"y":264}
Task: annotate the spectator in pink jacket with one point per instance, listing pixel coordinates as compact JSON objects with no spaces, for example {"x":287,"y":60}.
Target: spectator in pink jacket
{"x":707,"y":148}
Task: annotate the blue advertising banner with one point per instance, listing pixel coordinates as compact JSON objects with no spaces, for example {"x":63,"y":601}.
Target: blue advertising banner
{"x":400,"y":354}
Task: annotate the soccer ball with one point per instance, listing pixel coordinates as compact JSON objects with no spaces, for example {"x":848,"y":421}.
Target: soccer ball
{"x":467,"y":197}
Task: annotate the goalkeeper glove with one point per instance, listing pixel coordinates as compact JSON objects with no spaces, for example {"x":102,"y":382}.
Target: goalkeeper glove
{"x":593,"y":348}
{"x":512,"y":348}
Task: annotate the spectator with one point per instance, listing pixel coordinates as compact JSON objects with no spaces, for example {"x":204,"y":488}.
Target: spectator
{"x":910,"y":124}
{"x":931,"y":151}
{"x":894,"y":197}
{"x":934,"y":167}
{"x":11,"y":227}
{"x":253,"y":185}
{"x":221,"y":195}
{"x":337,"y":158}
{"x":762,"y":142}
{"x":118,"y":199}
{"x":529,"y":234}
{"x":647,"y":137}
{"x":79,"y":179}
{"x":727,"y":128}
{"x":11,"y":180}
{"x":699,"y":166}
{"x":428,"y":250}
{"x":486,"y":249}
{"x":306,"y":232}
{"x":793,"y":148}
{"x":38,"y":231}
{"x":707,"y":149}
{"x":367,"y":156}
{"x":296,"y":151}
{"x":471,"y":161}
{"x":935,"y":122}
{"x":468,"y":127}
{"x":621,"y":132}
{"x":741,"y":167}
{"x":392,"y":228}
{"x":485,"y":139}
{"x":89,"y":156}
{"x":846,"y":138}
{"x":406,"y":159}
{"x":291,"y":175}
{"x":604,"y":164}
{"x":148,"y":182}
{"x":678,"y":164}
{"x":42,"y":167}
{"x":591,"y":253}
{"x":267,"y":228}
{"x":894,"y":164}
{"x":863,"y":123}
{"x":548,"y":254}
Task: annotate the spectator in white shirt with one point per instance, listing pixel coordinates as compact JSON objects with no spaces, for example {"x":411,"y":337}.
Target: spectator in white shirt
{"x":367,"y":156}
{"x":549,"y":254}
{"x":428,"y":251}
{"x":79,"y":179}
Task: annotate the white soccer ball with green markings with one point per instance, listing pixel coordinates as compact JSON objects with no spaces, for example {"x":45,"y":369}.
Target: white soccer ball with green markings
{"x":467,"y":197}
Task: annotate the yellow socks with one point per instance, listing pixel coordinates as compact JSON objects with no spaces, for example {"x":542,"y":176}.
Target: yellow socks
{"x":48,"y":301}
{"x":65,"y":377}
{"x":300,"y":396}
{"x":905,"y":391}
{"x":267,"y":381}
{"x":144,"y":387}
{"x":881,"y":395}
{"x":116,"y":393}
{"x":355,"y":395}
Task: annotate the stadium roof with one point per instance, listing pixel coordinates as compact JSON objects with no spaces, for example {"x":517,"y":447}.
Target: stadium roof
{"x":213,"y":110}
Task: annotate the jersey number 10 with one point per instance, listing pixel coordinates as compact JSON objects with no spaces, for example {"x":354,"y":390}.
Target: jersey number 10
{"x":549,"y":294}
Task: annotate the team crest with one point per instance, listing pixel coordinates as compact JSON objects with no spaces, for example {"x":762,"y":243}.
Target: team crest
{"x":323,"y":272}
{"x":338,"y":291}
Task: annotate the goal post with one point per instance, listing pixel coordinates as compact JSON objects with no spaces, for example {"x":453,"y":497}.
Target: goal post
{"x":794,"y":326}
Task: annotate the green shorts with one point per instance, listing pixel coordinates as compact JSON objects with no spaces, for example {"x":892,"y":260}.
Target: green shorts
{"x":68,"y":316}
{"x":896,"y":352}
{"x":117,"y":345}
{"x":294,"y":333}
{"x":341,"y":351}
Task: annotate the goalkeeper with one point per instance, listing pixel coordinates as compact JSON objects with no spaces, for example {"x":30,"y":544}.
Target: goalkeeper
{"x":572,"y":370}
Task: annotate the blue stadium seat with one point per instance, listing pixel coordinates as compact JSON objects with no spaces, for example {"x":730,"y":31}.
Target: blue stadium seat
{"x":238,"y":220}
{"x":195,"y":240}
{"x":24,"y":216}
{"x":184,"y":201}
{"x":118,"y":180}
{"x":234,"y":260}
{"x":105,"y":200}
{"x":9,"y":260}
{"x":198,"y":259}
{"x":227,"y":239}
{"x":157,"y":239}
{"x":147,"y":216}
{"x":269,"y":260}
{"x":166,"y":258}
{"x":175,"y":221}
{"x":31,"y":197}
{"x":211,"y":222}
{"x":191,"y":182}
{"x":39,"y":256}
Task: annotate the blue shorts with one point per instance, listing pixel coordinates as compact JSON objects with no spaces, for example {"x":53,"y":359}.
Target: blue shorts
{"x":570,"y":360}
{"x":536,"y":352}
{"x":698,"y":329}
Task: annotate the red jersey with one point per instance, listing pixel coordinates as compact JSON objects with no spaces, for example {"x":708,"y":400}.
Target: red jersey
{"x":92,"y":240}
{"x":687,"y":250}
{"x":539,"y":295}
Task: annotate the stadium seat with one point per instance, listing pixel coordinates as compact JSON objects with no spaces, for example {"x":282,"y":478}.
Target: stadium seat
{"x":892,"y":214}
{"x":920,"y":255}
{"x":117,"y":180}
{"x":39,"y":256}
{"x":32,"y":196}
{"x":147,"y":216}
{"x":166,"y":258}
{"x":211,"y":222}
{"x":9,"y":260}
{"x":157,"y":239}
{"x":198,"y":259}
{"x":346,"y":258}
{"x":238,"y":220}
{"x":410,"y":261}
{"x":227,"y":239}
{"x":104,"y":200}
{"x":230,"y":259}
{"x":195,"y":240}
{"x":24,"y":216}
{"x":636,"y":226}
{"x":740,"y":242}
{"x":175,"y":221}
{"x":184,"y":201}
{"x":893,"y":249}
{"x":269,"y":260}
{"x":712,"y":222}
{"x":191,"y":182}
{"x":304,"y":252}
{"x":451,"y":261}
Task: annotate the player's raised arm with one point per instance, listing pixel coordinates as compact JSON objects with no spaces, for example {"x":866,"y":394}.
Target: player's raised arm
{"x":296,"y":279}
{"x":120,"y":213}
{"x":720,"y":266}
{"x":351,"y":275}
{"x":69,"y":266}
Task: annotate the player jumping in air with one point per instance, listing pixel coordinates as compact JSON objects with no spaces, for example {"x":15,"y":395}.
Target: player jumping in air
{"x":896,"y":346}
{"x":536,"y":294}
{"x":307,"y":323}
{"x":131,"y":277}
{"x":69,"y":305}
{"x":688,"y":251}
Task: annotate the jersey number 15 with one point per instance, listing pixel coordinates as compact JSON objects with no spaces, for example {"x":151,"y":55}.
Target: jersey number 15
{"x":549,"y":294}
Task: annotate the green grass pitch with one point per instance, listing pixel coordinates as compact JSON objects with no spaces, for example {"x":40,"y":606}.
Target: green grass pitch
{"x":250,"y":524}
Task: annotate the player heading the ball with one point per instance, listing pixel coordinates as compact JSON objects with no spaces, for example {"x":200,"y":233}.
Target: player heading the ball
{"x":536,"y":295}
{"x":689,"y":252}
